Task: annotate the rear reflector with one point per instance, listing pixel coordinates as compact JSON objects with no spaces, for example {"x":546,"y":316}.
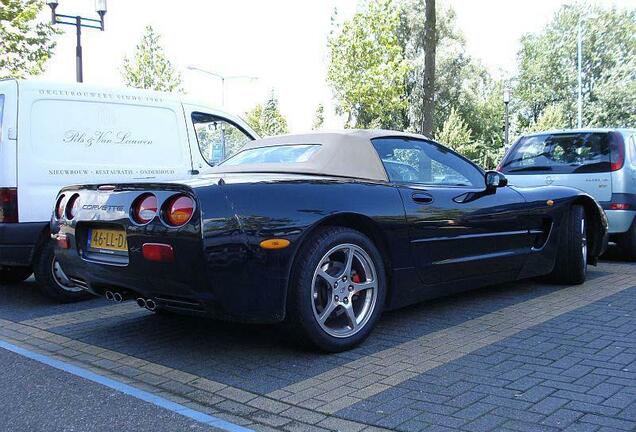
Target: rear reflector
{"x":144,"y":208}
{"x":619,"y":206}
{"x":158,"y":252}
{"x":63,"y":242}
{"x":178,"y":210}
{"x":8,"y":205}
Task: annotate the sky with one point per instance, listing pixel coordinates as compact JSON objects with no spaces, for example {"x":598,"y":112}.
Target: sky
{"x":280,"y":42}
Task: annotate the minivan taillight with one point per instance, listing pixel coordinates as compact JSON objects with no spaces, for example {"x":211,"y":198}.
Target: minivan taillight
{"x":617,"y":151}
{"x":178,"y":210}
{"x":8,"y":205}
{"x":144,"y":208}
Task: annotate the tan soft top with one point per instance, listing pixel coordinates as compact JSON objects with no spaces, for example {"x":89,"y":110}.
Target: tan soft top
{"x":346,"y":153}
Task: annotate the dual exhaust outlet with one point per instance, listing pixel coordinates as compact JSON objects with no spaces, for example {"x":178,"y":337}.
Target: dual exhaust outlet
{"x":141,"y":302}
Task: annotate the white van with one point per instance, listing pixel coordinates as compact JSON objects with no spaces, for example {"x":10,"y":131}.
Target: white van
{"x":53,"y":135}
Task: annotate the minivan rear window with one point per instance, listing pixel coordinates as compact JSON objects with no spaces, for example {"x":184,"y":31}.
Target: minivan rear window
{"x":559,"y":153}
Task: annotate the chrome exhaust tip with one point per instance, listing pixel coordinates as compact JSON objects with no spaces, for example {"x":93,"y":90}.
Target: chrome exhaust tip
{"x":109,"y":296}
{"x":141,"y":302}
{"x":151,"y":305}
{"x":118,"y":297}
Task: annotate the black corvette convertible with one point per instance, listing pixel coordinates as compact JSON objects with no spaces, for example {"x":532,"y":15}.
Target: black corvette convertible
{"x":324,"y":231}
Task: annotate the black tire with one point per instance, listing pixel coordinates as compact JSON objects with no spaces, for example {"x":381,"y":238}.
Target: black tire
{"x":627,"y":243}
{"x":48,"y":283}
{"x":12,"y":275}
{"x":571,"y":261}
{"x":300,"y":313}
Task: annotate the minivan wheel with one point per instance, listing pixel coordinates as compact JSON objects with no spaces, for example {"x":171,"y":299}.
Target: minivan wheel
{"x":338,"y":289}
{"x":627,"y":243}
{"x":13,"y":275}
{"x":52,"y":280}
{"x":571,"y":261}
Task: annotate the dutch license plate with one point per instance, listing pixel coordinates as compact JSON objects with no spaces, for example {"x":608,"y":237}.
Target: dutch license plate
{"x":112,"y":240}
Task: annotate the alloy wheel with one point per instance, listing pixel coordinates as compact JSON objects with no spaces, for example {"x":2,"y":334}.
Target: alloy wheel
{"x":344,"y":290}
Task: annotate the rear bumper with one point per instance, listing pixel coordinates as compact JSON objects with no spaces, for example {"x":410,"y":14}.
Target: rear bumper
{"x":17,"y":242}
{"x":620,"y":220}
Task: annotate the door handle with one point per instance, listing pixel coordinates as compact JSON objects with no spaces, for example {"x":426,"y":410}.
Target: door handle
{"x":422,"y":198}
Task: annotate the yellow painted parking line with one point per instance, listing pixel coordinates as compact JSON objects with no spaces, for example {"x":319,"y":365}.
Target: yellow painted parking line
{"x":417,"y":356}
{"x":85,"y":315}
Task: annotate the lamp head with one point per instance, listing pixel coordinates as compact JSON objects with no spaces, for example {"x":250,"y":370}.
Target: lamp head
{"x":100,"y":7}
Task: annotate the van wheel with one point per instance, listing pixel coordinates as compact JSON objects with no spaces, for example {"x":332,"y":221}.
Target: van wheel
{"x":627,"y":243}
{"x":571,"y":261}
{"x":337,"y":292}
{"x":13,"y":275}
{"x":51,"y":278}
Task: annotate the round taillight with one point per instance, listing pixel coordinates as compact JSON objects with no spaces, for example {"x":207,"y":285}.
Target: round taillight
{"x":144,"y":208}
{"x":59,"y":207}
{"x":178,"y":210}
{"x":72,"y":206}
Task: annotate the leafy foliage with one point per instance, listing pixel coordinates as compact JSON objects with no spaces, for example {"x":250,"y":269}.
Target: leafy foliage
{"x":267,"y":120}
{"x":319,"y":117}
{"x":149,"y":68}
{"x":25,"y":45}
{"x":548,"y":67}
{"x":368,"y":69}
{"x":552,"y":117}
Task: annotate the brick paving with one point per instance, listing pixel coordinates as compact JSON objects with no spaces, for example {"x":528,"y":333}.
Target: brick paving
{"x":524,"y":356}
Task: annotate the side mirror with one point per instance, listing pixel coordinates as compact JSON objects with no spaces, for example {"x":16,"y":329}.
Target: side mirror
{"x":495,"y":179}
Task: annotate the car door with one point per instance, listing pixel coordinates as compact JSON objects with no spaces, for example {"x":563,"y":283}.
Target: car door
{"x":458,"y":228}
{"x":213,"y":136}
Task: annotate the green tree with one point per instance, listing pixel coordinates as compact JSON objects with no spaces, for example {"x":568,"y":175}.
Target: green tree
{"x":552,"y":117}
{"x":319,"y":117}
{"x":454,"y":133}
{"x":267,"y":120}
{"x":367,"y":69}
{"x":25,"y":44}
{"x":150,"y":68}
{"x":548,"y":66}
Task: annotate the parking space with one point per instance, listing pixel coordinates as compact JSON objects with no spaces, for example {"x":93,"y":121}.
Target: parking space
{"x":524,"y":356}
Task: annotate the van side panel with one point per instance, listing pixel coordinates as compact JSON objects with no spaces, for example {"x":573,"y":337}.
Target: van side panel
{"x":8,"y":132}
{"x":70,"y":136}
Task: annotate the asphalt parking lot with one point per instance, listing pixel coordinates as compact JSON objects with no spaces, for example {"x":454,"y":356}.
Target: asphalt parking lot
{"x":515,"y":357}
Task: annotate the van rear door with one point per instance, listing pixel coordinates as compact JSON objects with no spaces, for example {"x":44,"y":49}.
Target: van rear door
{"x":214,"y":136}
{"x":8,"y":132}
{"x":577,"y":159}
{"x":95,"y":136}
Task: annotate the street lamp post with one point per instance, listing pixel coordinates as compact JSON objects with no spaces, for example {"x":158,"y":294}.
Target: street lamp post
{"x":506,"y":101}
{"x":579,"y":52}
{"x":223,"y":78}
{"x":79,"y":22}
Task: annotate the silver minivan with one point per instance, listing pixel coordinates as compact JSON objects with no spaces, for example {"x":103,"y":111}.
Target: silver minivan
{"x":601,"y":162}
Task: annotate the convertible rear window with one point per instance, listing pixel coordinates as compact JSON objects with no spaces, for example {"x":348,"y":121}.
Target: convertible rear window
{"x":560,"y":153}
{"x":282,"y":154}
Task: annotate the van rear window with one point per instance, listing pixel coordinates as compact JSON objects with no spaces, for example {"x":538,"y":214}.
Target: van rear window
{"x":559,"y":153}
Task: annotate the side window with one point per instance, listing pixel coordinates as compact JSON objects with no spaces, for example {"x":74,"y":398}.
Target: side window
{"x":218,"y":138}
{"x":632,"y":146}
{"x":425,"y":162}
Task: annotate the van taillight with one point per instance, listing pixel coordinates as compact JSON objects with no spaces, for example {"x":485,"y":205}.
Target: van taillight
{"x":72,"y":206}
{"x":178,"y":210}
{"x":8,"y":205}
{"x":617,"y":151}
{"x":59,"y":207}
{"x":144,"y":208}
